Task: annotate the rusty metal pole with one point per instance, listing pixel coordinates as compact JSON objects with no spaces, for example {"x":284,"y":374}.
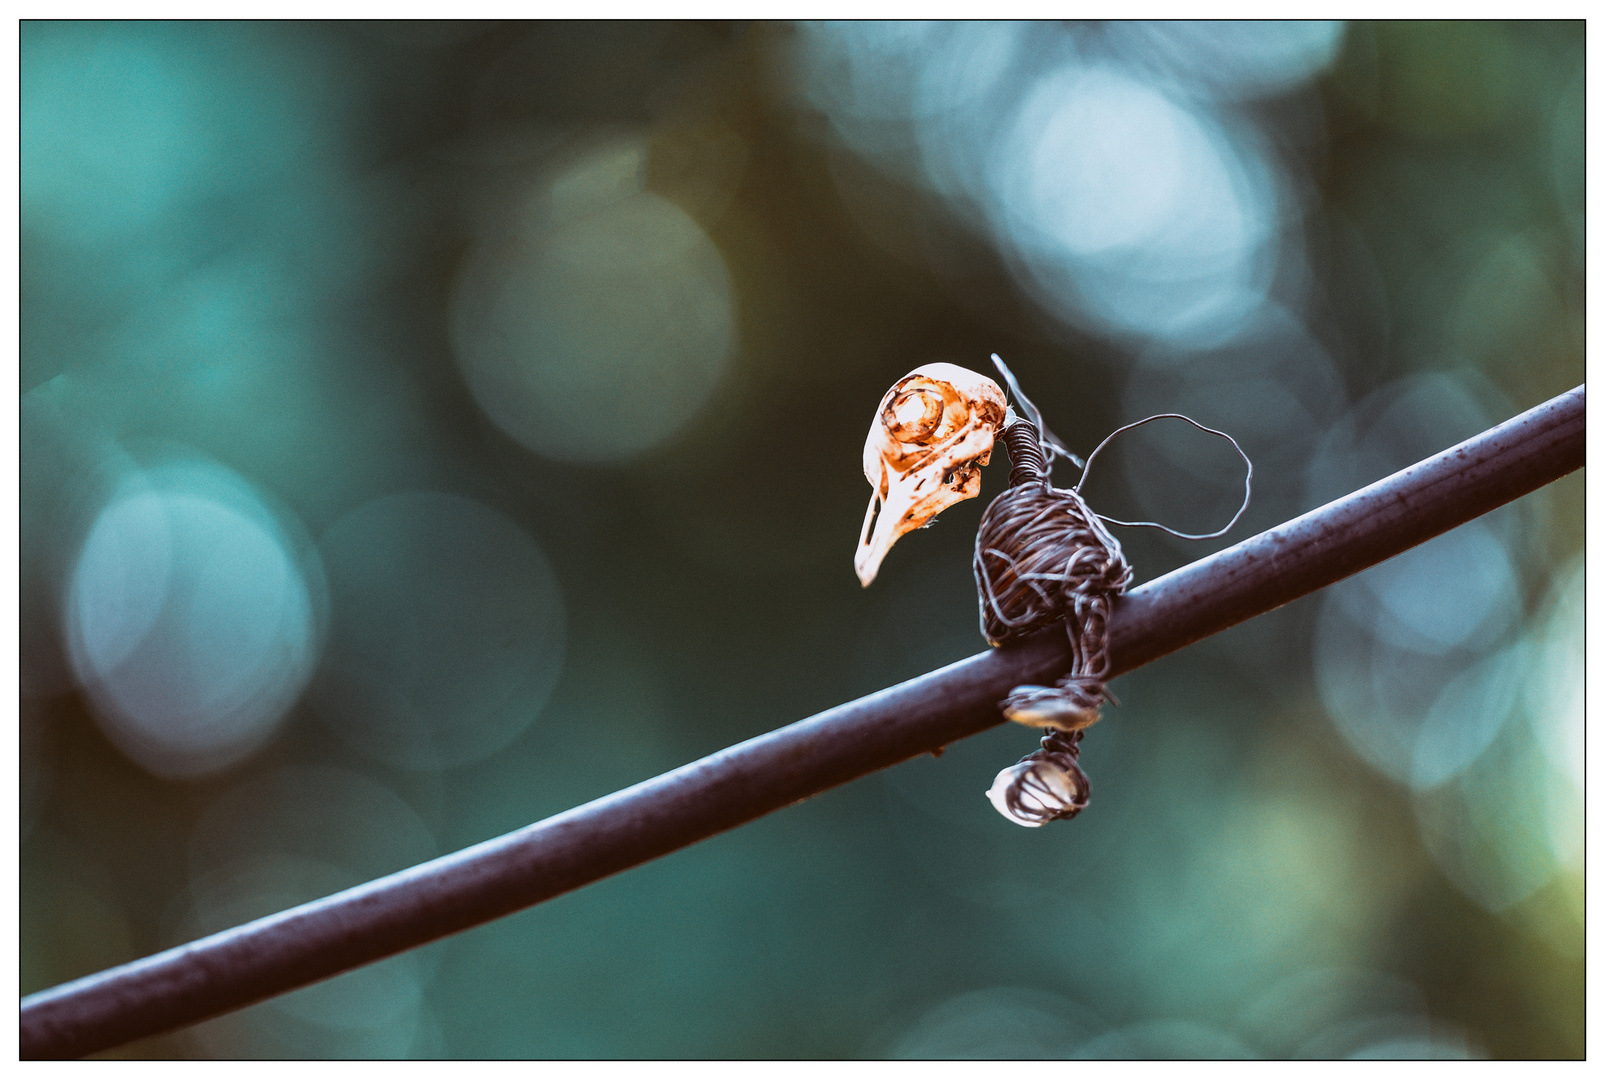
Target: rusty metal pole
{"x":282,"y":952}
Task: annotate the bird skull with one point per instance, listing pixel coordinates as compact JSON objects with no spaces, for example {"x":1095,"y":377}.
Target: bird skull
{"x":931,"y":435}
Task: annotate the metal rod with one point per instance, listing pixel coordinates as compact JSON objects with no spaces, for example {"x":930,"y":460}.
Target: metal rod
{"x":314,"y":941}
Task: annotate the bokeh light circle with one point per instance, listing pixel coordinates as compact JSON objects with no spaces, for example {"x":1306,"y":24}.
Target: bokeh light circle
{"x":874,"y":78}
{"x":109,"y":125}
{"x":1232,"y":60}
{"x":1325,"y":1012}
{"x":1133,"y":212}
{"x":1465,"y":718}
{"x":999,"y":1023}
{"x":69,"y":470}
{"x":1411,"y":603}
{"x":1553,"y":702}
{"x":1488,"y":830}
{"x":190,"y":619}
{"x":600,"y":337}
{"x":1419,"y":706}
{"x":1554,"y":694}
{"x":1413,"y":658}
{"x":1107,"y":163}
{"x":1165,"y":1040}
{"x":447,"y":630}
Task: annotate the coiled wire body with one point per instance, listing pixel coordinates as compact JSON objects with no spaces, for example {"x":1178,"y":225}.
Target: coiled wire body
{"x":1042,"y":557}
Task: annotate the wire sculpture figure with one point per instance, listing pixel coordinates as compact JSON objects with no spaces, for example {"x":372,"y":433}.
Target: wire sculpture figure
{"x":1043,"y":556}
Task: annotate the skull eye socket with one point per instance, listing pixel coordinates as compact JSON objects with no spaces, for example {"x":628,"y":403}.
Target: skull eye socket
{"x":914,"y":415}
{"x":959,"y":475}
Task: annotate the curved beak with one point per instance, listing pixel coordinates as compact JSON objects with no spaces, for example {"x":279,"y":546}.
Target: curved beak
{"x":871,"y":550}
{"x":910,"y":502}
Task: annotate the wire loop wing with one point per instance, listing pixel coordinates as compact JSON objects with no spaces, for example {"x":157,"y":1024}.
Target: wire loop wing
{"x":1248,"y":479}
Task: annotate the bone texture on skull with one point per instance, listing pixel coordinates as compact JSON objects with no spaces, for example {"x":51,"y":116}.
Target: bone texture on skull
{"x":932,"y":433}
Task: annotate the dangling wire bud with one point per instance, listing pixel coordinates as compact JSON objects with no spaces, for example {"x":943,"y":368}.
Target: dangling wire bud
{"x":1045,"y":785}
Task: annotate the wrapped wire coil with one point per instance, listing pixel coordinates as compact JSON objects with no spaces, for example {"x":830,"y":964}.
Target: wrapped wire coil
{"x":1042,"y":557}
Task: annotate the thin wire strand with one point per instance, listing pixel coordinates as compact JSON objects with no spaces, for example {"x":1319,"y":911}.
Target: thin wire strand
{"x":1248,"y":479}
{"x":1051,"y":444}
{"x":1042,"y":557}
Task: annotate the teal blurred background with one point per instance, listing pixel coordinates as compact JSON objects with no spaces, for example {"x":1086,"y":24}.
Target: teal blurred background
{"x":428,"y":427}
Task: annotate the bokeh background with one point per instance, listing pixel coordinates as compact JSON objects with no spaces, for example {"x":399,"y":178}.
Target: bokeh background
{"x":428,"y":427}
